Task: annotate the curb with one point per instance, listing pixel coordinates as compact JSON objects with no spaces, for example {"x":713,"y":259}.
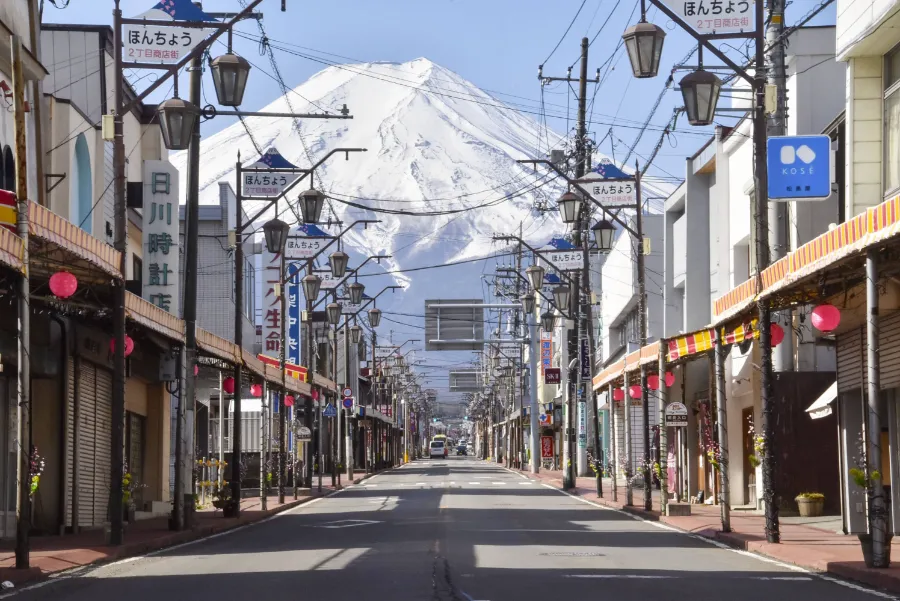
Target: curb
{"x":865,"y":576}
{"x":35,"y":575}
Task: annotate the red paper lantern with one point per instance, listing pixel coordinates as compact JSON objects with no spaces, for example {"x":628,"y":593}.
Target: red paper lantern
{"x":228,"y":385}
{"x":670,"y":379}
{"x":826,"y":317}
{"x":635,"y":392}
{"x":618,"y":394}
{"x":129,"y":345}
{"x":653,"y":382}
{"x":776,"y":332}
{"x":315,"y":395}
{"x":255,"y":390}
{"x":63,"y":284}
{"x":196,"y":369}
{"x":289,"y":401}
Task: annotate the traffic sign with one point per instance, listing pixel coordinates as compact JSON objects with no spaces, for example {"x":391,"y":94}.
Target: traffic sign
{"x":676,"y":414}
{"x":330,"y":411}
{"x":799,"y":167}
{"x":362,"y":411}
{"x":348,"y":402}
{"x":545,"y":419}
{"x":347,"y":392}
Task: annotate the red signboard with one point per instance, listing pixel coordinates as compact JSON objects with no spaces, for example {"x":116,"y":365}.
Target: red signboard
{"x":546,"y":447}
{"x":552,"y":375}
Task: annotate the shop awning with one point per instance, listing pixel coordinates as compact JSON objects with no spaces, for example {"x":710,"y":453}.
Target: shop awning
{"x":149,"y":315}
{"x":47,"y":226}
{"x":822,"y":406}
{"x":12,"y":250}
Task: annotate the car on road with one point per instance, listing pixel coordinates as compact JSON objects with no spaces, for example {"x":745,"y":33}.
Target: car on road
{"x":437,"y":450}
{"x":461,"y":450}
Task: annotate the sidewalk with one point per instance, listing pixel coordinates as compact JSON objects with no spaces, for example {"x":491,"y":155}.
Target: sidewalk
{"x":53,"y":554}
{"x":804,"y":546}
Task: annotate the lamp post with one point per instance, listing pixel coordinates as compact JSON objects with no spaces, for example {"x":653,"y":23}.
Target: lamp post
{"x":700,"y":90}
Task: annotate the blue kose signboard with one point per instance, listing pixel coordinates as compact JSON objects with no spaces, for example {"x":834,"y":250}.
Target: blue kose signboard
{"x":799,"y":167}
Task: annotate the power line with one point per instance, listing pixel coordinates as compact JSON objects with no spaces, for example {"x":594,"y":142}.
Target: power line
{"x":565,"y":33}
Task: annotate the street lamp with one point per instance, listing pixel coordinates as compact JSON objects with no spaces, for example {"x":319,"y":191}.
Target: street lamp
{"x":333,"y":310}
{"x":644,"y":43}
{"x":548,"y":321}
{"x":355,"y":334}
{"x":374,"y":317}
{"x":561,"y":297}
{"x":338,"y":262}
{"x":311,"y":202}
{"x":276,"y":233}
{"x":700,"y":90}
{"x":528,"y":302}
{"x":569,"y":207}
{"x":535,"y":275}
{"x":356,"y":292}
{"x":311,"y":284}
{"x":177,"y":118}
{"x":229,"y":74}
{"x":604,"y":232}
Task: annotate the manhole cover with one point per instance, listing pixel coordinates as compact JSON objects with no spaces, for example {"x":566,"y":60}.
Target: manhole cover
{"x":573,"y":554}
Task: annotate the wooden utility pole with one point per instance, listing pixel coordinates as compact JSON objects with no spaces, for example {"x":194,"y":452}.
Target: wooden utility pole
{"x":23,"y":397}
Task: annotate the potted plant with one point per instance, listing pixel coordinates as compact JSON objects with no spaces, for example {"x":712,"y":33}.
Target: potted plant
{"x":870,"y":481}
{"x":810,"y":504}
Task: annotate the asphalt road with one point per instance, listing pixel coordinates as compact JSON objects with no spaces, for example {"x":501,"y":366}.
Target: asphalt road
{"x":455,"y":529}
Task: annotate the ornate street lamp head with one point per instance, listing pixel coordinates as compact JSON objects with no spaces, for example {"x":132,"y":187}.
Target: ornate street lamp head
{"x":276,"y":233}
{"x":644,"y":43}
{"x":333,"y":311}
{"x":229,"y":74}
{"x":177,"y":119}
{"x":356,"y":292}
{"x":338,"y":261}
{"x":569,"y":207}
{"x":528,"y":302}
{"x":604,"y":232}
{"x":548,"y":321}
{"x":374,"y":317}
{"x":700,"y":90}
{"x":355,"y":334}
{"x":311,"y":202}
{"x":311,"y":285}
{"x":561,"y":297}
{"x":535,"y":275}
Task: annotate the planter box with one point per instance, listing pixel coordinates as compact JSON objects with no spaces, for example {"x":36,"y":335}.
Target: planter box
{"x":810,"y":508}
{"x":865,"y":541}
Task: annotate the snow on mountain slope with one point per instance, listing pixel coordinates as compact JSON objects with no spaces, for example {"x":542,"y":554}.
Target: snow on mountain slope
{"x":435,"y":143}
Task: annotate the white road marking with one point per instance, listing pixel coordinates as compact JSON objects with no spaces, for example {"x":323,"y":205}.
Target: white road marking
{"x":499,"y":483}
{"x":419,"y":484}
{"x":529,"y":482}
{"x":475,"y":483}
{"x":623,"y":576}
{"x":725,"y":547}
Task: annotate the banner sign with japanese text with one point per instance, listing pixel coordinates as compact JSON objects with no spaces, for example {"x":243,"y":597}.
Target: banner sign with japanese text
{"x":295,"y":305}
{"x":271,"y":303}
{"x":161,"y":40}
{"x":261,"y":183}
{"x":546,"y":351}
{"x":715,"y":16}
{"x":159,"y":237}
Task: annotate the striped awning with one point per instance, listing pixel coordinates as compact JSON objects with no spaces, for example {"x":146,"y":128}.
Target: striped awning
{"x":12,"y":250}
{"x":48,"y":226}
{"x":691,"y":344}
{"x":292,"y":370}
{"x":217,"y":347}
{"x":149,"y":315}
{"x":648,"y":355}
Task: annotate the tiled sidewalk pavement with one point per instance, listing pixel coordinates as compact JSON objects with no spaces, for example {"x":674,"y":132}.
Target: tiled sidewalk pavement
{"x":804,"y":546}
{"x":53,"y":554}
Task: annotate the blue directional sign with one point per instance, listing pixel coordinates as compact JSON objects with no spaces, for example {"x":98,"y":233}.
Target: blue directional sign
{"x":362,"y":411}
{"x":330,"y":411}
{"x":799,"y":167}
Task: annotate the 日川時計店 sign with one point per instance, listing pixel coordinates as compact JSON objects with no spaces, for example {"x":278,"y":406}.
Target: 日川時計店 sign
{"x":715,"y":16}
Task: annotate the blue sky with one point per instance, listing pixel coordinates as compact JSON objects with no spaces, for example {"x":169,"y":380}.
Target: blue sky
{"x":496,"y":44}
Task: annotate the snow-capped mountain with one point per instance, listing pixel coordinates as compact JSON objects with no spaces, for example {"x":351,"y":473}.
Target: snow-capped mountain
{"x":435,"y":143}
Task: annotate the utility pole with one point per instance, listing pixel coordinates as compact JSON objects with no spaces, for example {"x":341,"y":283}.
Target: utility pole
{"x":234,"y":509}
{"x":348,"y":446}
{"x":642,"y":321}
{"x":183,"y":450}
{"x":778,"y":237}
{"x":120,"y":243}
{"x":282,"y":408}
{"x":23,"y":397}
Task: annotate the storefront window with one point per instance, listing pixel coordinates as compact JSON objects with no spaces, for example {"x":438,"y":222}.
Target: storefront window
{"x":892,"y":121}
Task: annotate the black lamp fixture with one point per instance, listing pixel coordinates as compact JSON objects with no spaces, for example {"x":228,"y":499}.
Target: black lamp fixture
{"x":338,"y":262}
{"x":548,"y":321}
{"x":528,"y":302}
{"x":569,"y":207}
{"x":356,"y":292}
{"x":333,"y":311}
{"x":644,"y":43}
{"x":276,"y":233}
{"x":311,"y":202}
{"x":374,"y":317}
{"x":355,"y":333}
{"x":561,"y":296}
{"x":604,"y":232}
{"x":535,"y":275}
{"x":177,"y":119}
{"x":229,"y":74}
{"x":311,"y":285}
{"x":700,"y":90}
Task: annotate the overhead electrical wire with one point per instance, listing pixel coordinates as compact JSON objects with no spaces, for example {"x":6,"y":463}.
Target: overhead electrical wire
{"x":565,"y":33}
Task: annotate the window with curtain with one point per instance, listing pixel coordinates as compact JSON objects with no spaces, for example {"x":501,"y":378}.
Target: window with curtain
{"x":892,"y":122}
